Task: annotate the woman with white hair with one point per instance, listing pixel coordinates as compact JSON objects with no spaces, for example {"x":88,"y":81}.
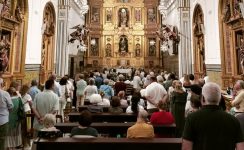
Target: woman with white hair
{"x":49,"y":121}
{"x":49,"y":130}
{"x":96,"y":101}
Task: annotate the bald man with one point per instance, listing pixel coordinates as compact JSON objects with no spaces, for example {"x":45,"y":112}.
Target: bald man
{"x":211,"y":128}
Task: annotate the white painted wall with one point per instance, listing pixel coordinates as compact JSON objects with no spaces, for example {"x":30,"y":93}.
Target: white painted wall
{"x":212,"y":42}
{"x":34,"y":36}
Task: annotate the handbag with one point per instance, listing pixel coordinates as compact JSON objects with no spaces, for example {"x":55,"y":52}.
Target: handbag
{"x":67,"y":95}
{"x":21,"y":111}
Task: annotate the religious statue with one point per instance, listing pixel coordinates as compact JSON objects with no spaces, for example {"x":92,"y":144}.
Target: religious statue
{"x":4,"y":50}
{"x":152,"y":50}
{"x":138,"y":50}
{"x":108,"y":50}
{"x":151,"y":15}
{"x":95,"y":15}
{"x":227,"y":13}
{"x":241,"y":60}
{"x":123,"y":17}
{"x":138,"y":15}
{"x":109,"y":15}
{"x":81,"y":34}
{"x":123,"y":44}
{"x":48,"y":26}
{"x":5,"y":8}
{"x":18,"y":14}
{"x":201,"y":52}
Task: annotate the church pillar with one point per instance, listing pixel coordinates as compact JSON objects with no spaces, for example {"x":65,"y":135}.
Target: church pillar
{"x":62,"y":39}
{"x":185,"y":52}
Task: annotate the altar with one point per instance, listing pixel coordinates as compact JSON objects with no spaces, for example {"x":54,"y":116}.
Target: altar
{"x":123,"y":71}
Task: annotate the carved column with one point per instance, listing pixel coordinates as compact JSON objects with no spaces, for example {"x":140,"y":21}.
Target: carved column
{"x":62,"y":38}
{"x":185,"y":52}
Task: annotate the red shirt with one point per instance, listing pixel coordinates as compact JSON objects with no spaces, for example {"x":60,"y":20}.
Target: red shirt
{"x":162,"y":118}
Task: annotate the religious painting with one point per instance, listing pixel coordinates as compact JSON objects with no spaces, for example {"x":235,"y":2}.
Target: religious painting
{"x":123,"y":15}
{"x":138,"y":14}
{"x":95,"y":15}
{"x":152,"y":47}
{"x":138,"y":50}
{"x":123,"y":44}
{"x":5,"y":45}
{"x":109,"y":14}
{"x":94,"y":47}
{"x":151,"y":15}
{"x":108,"y":50}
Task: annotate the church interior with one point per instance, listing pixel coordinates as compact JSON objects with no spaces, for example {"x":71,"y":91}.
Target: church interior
{"x":120,"y":40}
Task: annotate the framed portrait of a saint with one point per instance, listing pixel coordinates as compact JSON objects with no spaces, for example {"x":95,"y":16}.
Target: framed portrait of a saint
{"x":151,"y":15}
{"x":109,"y":14}
{"x":152,"y":47}
{"x":137,"y":14}
{"x":95,"y":15}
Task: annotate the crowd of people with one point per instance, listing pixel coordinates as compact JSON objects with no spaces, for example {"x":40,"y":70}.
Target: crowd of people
{"x":196,"y":106}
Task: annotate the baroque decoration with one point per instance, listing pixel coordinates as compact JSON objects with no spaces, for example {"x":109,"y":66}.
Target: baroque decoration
{"x":80,"y":34}
{"x":169,"y":33}
{"x":13,"y":33}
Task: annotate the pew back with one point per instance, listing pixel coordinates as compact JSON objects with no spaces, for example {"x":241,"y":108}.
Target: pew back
{"x":108,"y":144}
{"x":113,"y":129}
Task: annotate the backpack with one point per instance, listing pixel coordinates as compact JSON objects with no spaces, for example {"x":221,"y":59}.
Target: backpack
{"x":21,"y":111}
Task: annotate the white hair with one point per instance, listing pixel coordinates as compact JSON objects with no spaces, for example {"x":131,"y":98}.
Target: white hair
{"x":160,"y":78}
{"x":143,"y":115}
{"x":95,"y":98}
{"x":49,"y":120}
{"x":211,"y":93}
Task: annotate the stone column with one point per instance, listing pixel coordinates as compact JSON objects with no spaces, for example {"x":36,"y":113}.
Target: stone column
{"x":62,"y":54}
{"x":185,"y":52}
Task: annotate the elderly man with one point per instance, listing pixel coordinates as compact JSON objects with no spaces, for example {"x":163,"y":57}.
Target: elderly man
{"x":5,"y":106}
{"x":238,"y":94}
{"x":211,"y":127}
{"x":154,"y":92}
{"x":141,"y":129}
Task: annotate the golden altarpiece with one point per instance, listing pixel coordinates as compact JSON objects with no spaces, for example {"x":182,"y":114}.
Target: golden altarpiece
{"x":122,"y":33}
{"x":231,"y":41}
{"x":13,"y":33}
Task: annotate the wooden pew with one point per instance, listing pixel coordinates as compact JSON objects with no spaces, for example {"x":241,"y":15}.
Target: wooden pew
{"x":108,"y":144}
{"x":105,"y":117}
{"x":113,"y":129}
{"x":105,"y":108}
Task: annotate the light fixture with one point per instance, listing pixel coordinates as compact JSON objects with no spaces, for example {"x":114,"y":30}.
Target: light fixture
{"x":93,"y":42}
{"x":152,"y":42}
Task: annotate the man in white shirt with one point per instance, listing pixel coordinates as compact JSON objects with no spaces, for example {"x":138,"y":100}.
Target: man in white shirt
{"x":5,"y":106}
{"x":46,"y":102}
{"x":154,"y":93}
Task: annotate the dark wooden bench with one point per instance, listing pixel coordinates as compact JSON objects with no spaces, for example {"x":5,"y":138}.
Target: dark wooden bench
{"x":105,"y":117}
{"x":113,"y":129}
{"x":105,"y":108}
{"x":108,"y":144}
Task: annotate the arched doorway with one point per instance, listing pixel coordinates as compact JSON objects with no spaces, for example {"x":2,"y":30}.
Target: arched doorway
{"x":231,"y":41}
{"x":198,"y":42}
{"x":48,"y":42}
{"x":13,"y":35}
